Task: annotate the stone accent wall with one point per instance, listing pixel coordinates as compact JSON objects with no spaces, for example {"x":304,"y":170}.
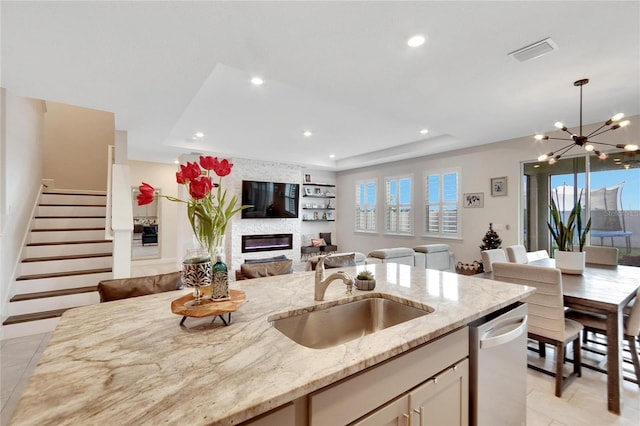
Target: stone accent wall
{"x":245,"y":169}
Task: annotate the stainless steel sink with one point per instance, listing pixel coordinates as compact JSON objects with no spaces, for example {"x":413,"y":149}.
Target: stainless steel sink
{"x":331,"y":324}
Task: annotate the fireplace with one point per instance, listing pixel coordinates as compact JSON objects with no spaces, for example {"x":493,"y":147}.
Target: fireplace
{"x":266,"y":242}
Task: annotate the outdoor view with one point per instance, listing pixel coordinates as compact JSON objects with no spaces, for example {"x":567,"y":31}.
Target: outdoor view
{"x":612,"y":196}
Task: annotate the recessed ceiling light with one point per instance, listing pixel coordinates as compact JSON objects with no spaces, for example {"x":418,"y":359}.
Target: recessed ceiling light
{"x":307,"y":133}
{"x":416,"y":40}
{"x":332,"y":156}
{"x":424,"y":131}
{"x":176,"y":161}
{"x":199,"y":135}
{"x":257,"y":81}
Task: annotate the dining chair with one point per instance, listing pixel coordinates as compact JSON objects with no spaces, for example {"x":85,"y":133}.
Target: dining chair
{"x":597,"y":323}
{"x":547,"y":322}
{"x":490,"y":256}
{"x":124,"y":288}
{"x":537,"y":255}
{"x":601,"y":255}
{"x":517,"y":254}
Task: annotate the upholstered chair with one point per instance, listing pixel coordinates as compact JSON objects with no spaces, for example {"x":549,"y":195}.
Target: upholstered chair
{"x":517,"y":254}
{"x":329,"y":247}
{"x":537,"y":255}
{"x":547,"y":322}
{"x":490,"y":256}
{"x":601,"y":255}
{"x":124,"y":288}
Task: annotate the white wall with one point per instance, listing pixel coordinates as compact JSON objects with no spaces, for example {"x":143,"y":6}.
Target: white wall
{"x":75,"y":148}
{"x":20,"y":174}
{"x":478,"y":166}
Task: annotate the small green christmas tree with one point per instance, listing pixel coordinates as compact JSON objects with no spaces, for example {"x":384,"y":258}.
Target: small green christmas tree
{"x":491,"y":240}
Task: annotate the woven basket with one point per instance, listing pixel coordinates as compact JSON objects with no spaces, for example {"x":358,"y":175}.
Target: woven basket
{"x":469,"y":268}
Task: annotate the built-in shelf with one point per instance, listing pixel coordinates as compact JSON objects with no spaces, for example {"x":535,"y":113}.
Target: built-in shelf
{"x":318,"y":208}
{"x":329,"y":185}
{"x":319,"y":196}
{"x":318,"y":220}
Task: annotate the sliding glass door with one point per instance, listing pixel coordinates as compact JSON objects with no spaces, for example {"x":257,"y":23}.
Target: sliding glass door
{"x":610,"y":196}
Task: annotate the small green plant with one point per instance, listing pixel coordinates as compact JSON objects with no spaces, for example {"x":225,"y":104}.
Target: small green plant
{"x":365,"y":275}
{"x":563,"y":232}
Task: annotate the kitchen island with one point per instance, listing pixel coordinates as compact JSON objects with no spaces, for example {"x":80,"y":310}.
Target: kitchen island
{"x":129,"y":361}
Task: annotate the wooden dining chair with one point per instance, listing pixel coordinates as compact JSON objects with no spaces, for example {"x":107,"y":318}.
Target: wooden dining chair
{"x":517,"y":254}
{"x":601,"y":255}
{"x":597,"y":323}
{"x":547,"y":322}
{"x":490,"y":256}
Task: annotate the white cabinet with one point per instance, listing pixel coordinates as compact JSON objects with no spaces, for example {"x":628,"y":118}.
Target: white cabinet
{"x":433,"y":378}
{"x":441,"y":400}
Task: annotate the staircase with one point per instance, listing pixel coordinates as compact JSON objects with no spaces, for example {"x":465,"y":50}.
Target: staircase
{"x":65,"y":258}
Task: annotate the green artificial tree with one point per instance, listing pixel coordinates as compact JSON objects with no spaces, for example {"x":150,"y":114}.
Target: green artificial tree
{"x":491,"y":240}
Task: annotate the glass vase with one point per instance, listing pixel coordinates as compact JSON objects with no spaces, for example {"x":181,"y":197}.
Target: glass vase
{"x":197,"y":273}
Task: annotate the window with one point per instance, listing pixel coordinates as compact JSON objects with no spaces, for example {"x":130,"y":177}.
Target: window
{"x":365,"y":219}
{"x":398,"y":207}
{"x":442,"y":204}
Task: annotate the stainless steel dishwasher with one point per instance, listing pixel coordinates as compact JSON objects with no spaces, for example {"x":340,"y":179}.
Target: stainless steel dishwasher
{"x":498,"y":368}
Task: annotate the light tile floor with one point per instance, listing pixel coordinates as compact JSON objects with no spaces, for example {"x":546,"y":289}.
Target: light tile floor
{"x":583,"y":401}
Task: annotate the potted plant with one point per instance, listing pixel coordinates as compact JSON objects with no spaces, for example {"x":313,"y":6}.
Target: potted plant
{"x":365,"y":280}
{"x":569,"y":258}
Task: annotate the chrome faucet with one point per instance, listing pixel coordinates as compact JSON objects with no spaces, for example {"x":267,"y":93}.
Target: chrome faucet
{"x":322,"y":283}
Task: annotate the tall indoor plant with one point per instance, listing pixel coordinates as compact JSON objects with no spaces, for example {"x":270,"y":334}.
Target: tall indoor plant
{"x":567,"y":233}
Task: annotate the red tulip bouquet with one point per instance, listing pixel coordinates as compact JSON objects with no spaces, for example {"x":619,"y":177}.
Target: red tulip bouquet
{"x":208,"y":212}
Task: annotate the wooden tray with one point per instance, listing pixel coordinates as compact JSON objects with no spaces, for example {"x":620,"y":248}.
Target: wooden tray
{"x":208,"y":309}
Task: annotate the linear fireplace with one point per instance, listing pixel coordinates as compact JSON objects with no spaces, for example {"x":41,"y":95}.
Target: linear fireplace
{"x":266,"y":242}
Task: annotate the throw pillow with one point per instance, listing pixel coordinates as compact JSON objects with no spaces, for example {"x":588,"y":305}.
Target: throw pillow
{"x":318,"y":242}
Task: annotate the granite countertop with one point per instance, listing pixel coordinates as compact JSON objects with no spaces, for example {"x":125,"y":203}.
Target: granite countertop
{"x":129,"y":361}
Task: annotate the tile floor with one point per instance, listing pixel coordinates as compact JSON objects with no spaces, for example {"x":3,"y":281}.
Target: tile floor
{"x":582,"y":403}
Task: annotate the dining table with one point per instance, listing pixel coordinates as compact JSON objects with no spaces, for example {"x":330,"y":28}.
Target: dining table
{"x":606,"y":290}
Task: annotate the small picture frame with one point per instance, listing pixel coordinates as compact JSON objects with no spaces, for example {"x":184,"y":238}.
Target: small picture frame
{"x":498,"y":186}
{"x":474,"y":200}
{"x":308,"y":191}
{"x":307,"y":178}
{"x":329,"y":215}
{"x":318,"y":191}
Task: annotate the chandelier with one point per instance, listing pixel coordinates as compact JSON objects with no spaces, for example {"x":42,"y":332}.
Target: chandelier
{"x":585,"y":141}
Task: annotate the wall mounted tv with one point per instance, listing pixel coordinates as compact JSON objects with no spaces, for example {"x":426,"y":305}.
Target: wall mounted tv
{"x":270,"y":200}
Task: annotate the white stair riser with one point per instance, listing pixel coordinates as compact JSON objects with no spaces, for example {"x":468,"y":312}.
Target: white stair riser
{"x":29,"y":328}
{"x":69,"y":223}
{"x":52,"y":266}
{"x":58,"y":236}
{"x":70,"y":211}
{"x":67,"y":249}
{"x":73,"y":199}
{"x":52,"y":303}
{"x":60,"y":283}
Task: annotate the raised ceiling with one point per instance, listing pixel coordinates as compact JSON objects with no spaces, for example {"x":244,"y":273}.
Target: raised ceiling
{"x":342,"y":70}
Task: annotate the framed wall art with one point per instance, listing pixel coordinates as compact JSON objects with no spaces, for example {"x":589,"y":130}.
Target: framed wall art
{"x":474,"y":199}
{"x":498,"y":186}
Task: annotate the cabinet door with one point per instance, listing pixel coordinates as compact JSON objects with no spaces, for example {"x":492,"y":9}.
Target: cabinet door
{"x":444,"y":399}
{"x":395,"y":413}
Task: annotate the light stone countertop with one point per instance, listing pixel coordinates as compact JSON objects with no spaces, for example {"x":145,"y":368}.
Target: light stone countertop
{"x":129,"y":361}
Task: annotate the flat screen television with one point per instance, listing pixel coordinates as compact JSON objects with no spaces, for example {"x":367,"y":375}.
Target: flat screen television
{"x":270,"y":200}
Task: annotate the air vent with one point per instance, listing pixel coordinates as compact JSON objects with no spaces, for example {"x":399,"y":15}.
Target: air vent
{"x":535,"y":50}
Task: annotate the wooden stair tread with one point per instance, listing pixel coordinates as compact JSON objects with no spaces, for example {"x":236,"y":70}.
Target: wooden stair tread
{"x":70,"y":217}
{"x":66,"y":229}
{"x":63,"y":274}
{"x":71,"y":205}
{"x":88,"y":194}
{"x":57,"y":243}
{"x":35,"y":316}
{"x":66,"y":257}
{"x":53,"y":293}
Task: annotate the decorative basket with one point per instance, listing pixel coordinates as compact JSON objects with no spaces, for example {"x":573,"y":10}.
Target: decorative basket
{"x":469,"y":268}
{"x":365,"y":284}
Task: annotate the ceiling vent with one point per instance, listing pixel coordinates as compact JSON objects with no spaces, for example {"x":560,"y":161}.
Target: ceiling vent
{"x":534,"y":50}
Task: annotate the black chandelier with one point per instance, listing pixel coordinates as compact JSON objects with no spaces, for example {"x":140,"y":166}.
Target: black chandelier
{"x":585,"y":141}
